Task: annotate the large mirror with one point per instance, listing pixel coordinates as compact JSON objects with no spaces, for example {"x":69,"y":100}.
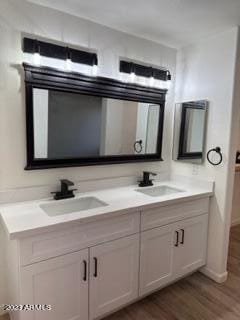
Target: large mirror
{"x":71,"y":125}
{"x":189,"y":131}
{"x":78,"y":127}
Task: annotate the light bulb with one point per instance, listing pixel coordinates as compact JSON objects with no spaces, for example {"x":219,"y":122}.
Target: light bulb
{"x":36,"y":58}
{"x":122,"y":76}
{"x":132,"y":77}
{"x":169,"y":78}
{"x":94,"y":70}
{"x":68,"y":64}
{"x":151,"y":81}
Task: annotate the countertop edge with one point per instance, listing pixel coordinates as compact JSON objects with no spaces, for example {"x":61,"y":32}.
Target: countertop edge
{"x":18,"y":235}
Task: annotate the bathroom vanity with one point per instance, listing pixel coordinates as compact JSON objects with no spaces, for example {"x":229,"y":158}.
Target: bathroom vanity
{"x":92,"y":255}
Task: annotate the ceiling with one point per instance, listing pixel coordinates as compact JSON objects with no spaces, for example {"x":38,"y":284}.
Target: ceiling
{"x":172,"y":22}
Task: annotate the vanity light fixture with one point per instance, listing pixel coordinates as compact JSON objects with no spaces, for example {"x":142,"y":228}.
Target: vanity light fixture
{"x":151,"y":80}
{"x":132,"y":73}
{"x":132,"y":76}
{"x":94,"y":70}
{"x":36,"y":55}
{"x":169,"y":79}
{"x":68,"y":63}
{"x":95,"y":66}
{"x":150,"y":72}
{"x":50,"y":50}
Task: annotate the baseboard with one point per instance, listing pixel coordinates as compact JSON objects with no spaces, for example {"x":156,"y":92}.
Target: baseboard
{"x":217,"y":277}
{"x":235,"y":222}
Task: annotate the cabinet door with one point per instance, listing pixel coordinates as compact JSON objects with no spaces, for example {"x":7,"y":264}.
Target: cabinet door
{"x":61,"y":282}
{"x":156,"y":259}
{"x":113,"y":275}
{"x":190,"y":254}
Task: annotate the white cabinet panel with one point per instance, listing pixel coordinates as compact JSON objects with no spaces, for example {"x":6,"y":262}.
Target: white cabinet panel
{"x":190,"y":254}
{"x":156,"y":258}
{"x":52,"y":244}
{"x":163,"y":215}
{"x":59,"y":282}
{"x":172,"y":251}
{"x":113,"y":275}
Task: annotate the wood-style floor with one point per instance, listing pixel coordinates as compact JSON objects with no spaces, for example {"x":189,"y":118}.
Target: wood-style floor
{"x":193,"y":298}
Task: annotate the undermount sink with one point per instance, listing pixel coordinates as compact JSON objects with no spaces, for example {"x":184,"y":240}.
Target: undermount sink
{"x":71,"y":206}
{"x":159,"y":191}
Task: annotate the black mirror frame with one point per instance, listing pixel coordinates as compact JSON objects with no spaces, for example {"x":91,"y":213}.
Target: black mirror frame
{"x":50,"y":78}
{"x":182,"y":155}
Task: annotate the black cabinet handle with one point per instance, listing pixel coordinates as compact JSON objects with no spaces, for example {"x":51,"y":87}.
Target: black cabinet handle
{"x":183,"y":236}
{"x":95,"y":267}
{"x":177,"y":240}
{"x":85,"y":270}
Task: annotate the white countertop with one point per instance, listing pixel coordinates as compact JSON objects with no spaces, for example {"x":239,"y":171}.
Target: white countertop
{"x":27,"y":218}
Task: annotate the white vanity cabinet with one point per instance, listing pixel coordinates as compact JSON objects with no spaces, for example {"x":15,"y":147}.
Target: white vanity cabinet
{"x":105,"y":277}
{"x":88,"y":270}
{"x":83,"y":272}
{"x":190,"y":251}
{"x":113,"y":275}
{"x":171,"y":251}
{"x":60,"y":282}
{"x":156,"y":267}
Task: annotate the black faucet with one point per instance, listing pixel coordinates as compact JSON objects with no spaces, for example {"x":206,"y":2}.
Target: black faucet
{"x":65,"y":193}
{"x":146,"y":182}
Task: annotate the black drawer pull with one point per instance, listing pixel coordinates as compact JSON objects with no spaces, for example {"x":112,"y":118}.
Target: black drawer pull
{"x":177,"y":240}
{"x":183,"y":236}
{"x":85,"y":270}
{"x":95,"y":267}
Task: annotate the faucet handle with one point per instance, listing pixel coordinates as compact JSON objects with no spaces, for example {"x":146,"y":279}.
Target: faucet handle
{"x":153,"y":173}
{"x":148,"y":173}
{"x":66,"y":182}
{"x":146,"y":179}
{"x":64,"y":193}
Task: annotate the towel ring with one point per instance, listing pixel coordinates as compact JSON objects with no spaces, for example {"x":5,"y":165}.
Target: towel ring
{"x":138,"y":146}
{"x":218,"y":151}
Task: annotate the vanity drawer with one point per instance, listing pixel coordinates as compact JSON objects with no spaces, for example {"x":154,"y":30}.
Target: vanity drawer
{"x":56,"y":243}
{"x":171,"y":213}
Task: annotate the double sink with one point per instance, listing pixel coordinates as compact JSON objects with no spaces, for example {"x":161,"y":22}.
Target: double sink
{"x":87,"y":203}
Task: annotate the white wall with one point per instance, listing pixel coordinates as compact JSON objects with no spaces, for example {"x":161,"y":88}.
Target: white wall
{"x":119,"y":120}
{"x":129,"y":126}
{"x":17,"y":17}
{"x":111,"y":139}
{"x":195,"y":139}
{"x":152,"y":132}
{"x":207,"y":71}
{"x":40,"y":122}
{"x":142,"y":119}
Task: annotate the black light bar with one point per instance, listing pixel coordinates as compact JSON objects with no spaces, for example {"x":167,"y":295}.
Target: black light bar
{"x":144,"y":71}
{"x":51,"y":50}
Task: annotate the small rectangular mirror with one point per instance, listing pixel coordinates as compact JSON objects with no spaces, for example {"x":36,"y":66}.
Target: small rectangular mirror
{"x":189,"y":130}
